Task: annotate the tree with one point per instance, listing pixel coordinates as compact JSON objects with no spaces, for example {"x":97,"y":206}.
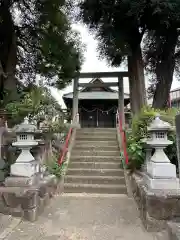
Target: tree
{"x":162,"y":58}
{"x":36,"y":102}
{"x":119,"y":29}
{"x":36,"y":38}
{"x":162,"y":48}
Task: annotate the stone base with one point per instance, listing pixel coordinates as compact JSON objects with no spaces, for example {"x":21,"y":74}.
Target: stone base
{"x":168,"y":183}
{"x":156,"y":206}
{"x":27,"y":169}
{"x":28,"y":202}
{"x":22,"y":181}
{"x":161,"y":170}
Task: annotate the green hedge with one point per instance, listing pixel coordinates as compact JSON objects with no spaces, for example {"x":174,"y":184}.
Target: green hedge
{"x":138,"y":132}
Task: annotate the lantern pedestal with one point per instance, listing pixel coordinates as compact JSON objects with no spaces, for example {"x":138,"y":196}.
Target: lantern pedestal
{"x":161,"y":170}
{"x":161,"y":175}
{"x":25,"y":169}
{"x":22,"y":181}
{"x":161,"y":183}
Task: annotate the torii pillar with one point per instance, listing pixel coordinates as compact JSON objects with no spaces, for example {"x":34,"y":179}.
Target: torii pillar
{"x":75,"y":96}
{"x":121,"y":100}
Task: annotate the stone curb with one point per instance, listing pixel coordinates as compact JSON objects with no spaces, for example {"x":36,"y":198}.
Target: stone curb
{"x":8,"y":230}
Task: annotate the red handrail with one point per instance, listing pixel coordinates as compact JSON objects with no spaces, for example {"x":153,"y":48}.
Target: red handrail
{"x":65,"y":148}
{"x":123,"y":137}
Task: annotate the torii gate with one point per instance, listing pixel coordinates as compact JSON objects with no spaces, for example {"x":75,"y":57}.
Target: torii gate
{"x":119,"y":84}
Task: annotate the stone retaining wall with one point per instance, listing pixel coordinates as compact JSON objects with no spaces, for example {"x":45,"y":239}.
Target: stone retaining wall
{"x":29,"y":202}
{"x":156,"y":207}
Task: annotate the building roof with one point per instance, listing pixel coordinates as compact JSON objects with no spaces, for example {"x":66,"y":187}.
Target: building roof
{"x":175,"y":89}
{"x":175,"y":95}
{"x":96,"y":93}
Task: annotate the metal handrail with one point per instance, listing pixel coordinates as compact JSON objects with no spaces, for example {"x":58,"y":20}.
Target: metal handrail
{"x":65,"y":148}
{"x":123,"y":136}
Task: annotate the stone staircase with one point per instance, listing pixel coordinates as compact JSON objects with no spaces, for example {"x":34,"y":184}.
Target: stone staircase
{"x":95,"y":165}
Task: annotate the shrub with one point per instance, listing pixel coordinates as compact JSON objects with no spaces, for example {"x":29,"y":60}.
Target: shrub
{"x":54,"y":168}
{"x":141,"y":121}
{"x":135,"y":138}
{"x":58,"y":127}
{"x":135,"y":152}
{"x":169,"y":115}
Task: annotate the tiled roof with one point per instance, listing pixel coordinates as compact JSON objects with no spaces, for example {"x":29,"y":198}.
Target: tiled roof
{"x":96,"y":95}
{"x":88,"y":93}
{"x":175,"y":94}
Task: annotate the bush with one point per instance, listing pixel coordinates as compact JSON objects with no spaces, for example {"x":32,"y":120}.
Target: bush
{"x":58,"y":127}
{"x":54,"y":168}
{"x":141,"y":121}
{"x":135,"y":138}
{"x":135,"y":152}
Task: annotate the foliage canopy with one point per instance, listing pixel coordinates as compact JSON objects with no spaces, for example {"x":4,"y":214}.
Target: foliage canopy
{"x":36,"y":103}
{"x":37,"y":38}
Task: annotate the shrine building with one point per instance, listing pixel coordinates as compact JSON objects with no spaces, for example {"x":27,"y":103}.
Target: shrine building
{"x":98,"y":104}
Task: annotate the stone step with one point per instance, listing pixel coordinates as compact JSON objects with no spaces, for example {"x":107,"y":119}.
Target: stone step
{"x":98,"y":137}
{"x":96,"y":133}
{"x":81,"y":152}
{"x":95,"y":172}
{"x":95,"y":159}
{"x":94,"y":179}
{"x":96,"y":143}
{"x":96,"y":148}
{"x":95,"y":165}
{"x":104,"y":134}
{"x":87,"y":130}
{"x":95,"y":188}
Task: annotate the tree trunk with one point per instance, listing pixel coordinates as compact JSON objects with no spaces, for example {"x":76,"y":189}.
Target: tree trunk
{"x":2,"y":80}
{"x":11,"y":84}
{"x":164,"y":72}
{"x":8,"y":56}
{"x":163,"y":87}
{"x":136,"y":80}
{"x":132,"y":87}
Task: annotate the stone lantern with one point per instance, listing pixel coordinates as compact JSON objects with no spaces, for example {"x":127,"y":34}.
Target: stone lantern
{"x":161,"y":174}
{"x":25,"y":165}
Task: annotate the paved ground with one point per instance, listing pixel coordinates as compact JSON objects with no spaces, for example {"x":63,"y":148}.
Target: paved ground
{"x":83,"y":217}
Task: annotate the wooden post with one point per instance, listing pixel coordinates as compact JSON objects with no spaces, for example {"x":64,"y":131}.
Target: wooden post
{"x":75,"y":96}
{"x":121,"y":100}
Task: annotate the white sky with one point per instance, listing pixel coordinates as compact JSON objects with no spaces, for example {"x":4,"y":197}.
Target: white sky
{"x":93,"y":64}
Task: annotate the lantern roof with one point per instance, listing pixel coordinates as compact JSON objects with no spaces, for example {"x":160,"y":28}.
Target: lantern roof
{"x":26,"y":127}
{"x":158,"y":124}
